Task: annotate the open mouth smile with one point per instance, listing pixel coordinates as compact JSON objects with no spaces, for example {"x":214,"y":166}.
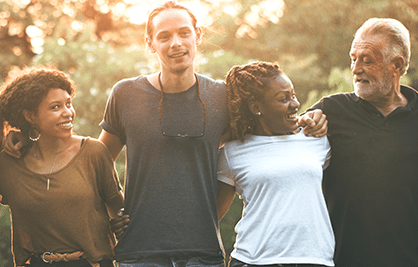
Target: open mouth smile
{"x":66,"y":124}
{"x":360,"y":80}
{"x":178,"y":55}
{"x":291,"y":116}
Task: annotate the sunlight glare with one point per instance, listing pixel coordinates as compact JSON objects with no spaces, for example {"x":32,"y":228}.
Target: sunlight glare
{"x":137,"y":14}
{"x":33,"y":31}
{"x":21,"y":3}
{"x":77,"y":26}
{"x":139,"y":10}
{"x":272,"y":9}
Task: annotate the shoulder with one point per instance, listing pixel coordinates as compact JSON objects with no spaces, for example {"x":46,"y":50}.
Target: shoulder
{"x":408,"y":88}
{"x":409,"y":92}
{"x":95,"y":146}
{"x":5,"y":158}
{"x":327,"y":103}
{"x":129,"y":83}
{"x":321,"y":141}
{"x":309,"y":145}
{"x":340,"y":97}
{"x":238,"y":146}
{"x":9,"y":167}
{"x":210,"y":83}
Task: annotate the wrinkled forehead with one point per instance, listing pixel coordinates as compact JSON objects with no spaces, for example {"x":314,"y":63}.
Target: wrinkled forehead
{"x":368,"y":43}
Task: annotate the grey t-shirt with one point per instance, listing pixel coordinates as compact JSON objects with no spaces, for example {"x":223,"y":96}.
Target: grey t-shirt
{"x":170,"y":181}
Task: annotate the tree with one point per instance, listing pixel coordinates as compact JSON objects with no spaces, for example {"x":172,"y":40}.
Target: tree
{"x":310,"y":37}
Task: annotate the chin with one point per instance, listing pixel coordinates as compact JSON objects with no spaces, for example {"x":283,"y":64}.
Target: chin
{"x":293,"y":127}
{"x":364,"y":95}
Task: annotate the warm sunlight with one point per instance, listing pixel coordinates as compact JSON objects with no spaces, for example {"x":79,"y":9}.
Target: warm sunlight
{"x":137,"y":10}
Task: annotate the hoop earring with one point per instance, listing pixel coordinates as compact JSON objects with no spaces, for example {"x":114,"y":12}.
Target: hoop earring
{"x":34,"y":139}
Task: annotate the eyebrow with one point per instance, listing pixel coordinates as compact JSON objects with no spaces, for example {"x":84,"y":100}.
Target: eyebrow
{"x":59,"y":101}
{"x":180,"y":29}
{"x":292,"y":91}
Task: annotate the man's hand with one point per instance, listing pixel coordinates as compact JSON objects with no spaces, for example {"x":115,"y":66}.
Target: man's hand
{"x":119,"y":223}
{"x":14,"y":142}
{"x":314,"y":123}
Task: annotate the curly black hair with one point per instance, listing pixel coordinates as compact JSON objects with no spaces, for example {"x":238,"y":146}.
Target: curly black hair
{"x":26,"y":91}
{"x":247,"y":82}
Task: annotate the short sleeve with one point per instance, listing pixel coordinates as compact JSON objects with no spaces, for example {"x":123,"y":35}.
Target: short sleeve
{"x":225,"y":174}
{"x":111,"y":119}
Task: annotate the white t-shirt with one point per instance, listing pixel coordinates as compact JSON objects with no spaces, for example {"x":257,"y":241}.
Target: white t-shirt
{"x":285,"y":218}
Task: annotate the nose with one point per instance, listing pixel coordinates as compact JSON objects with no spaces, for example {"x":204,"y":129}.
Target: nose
{"x":295,"y":103}
{"x":69,"y":112}
{"x":176,"y":40}
{"x":356,"y":67}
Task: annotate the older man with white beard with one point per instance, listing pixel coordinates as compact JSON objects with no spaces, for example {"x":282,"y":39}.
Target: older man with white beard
{"x":371,"y":185}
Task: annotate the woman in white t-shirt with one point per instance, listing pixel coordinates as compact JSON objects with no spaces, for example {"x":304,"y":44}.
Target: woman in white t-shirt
{"x":276,"y":170}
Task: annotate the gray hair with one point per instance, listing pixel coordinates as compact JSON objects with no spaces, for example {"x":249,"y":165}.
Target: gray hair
{"x":396,"y":34}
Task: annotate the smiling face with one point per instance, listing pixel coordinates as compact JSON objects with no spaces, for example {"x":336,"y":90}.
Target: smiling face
{"x":174,"y":39}
{"x":55,"y":116}
{"x":278,"y":108}
{"x":372,"y":77}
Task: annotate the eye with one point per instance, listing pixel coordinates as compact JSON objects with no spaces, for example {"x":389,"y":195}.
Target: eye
{"x":184,"y":33}
{"x":367,"y":60}
{"x":163,"y":37}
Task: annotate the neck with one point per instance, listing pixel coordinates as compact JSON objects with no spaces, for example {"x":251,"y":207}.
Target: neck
{"x":173,"y":82}
{"x":391,"y":102}
{"x":47,"y":149}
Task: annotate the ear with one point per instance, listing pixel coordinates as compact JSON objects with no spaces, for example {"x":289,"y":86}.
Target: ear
{"x":150,"y":45}
{"x":254,"y":107}
{"x":399,"y":64}
{"x":29,"y":116}
{"x":199,"y":35}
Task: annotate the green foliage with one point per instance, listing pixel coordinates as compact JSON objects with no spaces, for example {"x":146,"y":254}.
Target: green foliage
{"x":339,"y":81}
{"x":6,"y":259}
{"x":217,"y":64}
{"x":227,"y":225}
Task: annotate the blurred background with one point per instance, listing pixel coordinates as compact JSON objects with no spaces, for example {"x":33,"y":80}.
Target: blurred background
{"x":99,"y":42}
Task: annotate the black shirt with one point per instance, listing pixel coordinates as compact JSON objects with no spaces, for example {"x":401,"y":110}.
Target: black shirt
{"x":371,"y":185}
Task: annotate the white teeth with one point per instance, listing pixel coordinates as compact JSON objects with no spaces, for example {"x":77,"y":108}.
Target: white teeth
{"x":67,"y":124}
{"x":178,"y":55}
{"x":292,"y":116}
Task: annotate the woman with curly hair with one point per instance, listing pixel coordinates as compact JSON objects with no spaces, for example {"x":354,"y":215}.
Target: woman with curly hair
{"x":276,"y":170}
{"x":64,"y":187}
